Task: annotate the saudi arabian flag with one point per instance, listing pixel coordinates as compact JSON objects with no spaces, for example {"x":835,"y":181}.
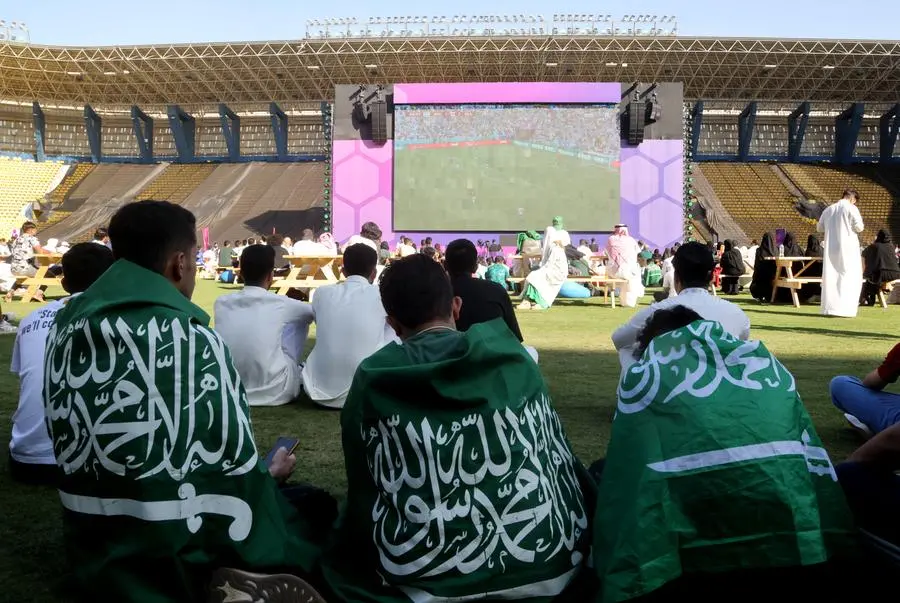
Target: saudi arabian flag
{"x":713,"y":466}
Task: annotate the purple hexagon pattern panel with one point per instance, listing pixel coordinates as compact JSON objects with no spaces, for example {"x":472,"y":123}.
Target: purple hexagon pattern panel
{"x":362,"y":191}
{"x":652,"y":190}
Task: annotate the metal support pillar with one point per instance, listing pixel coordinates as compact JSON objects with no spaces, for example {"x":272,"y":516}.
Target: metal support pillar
{"x":279,"y":130}
{"x":797,"y":123}
{"x":746,"y":127}
{"x":231,"y":131}
{"x":184,"y":131}
{"x":888,"y":128}
{"x":40,"y":131}
{"x":846,"y":132}
{"x":93,"y":125}
{"x":142,"y":125}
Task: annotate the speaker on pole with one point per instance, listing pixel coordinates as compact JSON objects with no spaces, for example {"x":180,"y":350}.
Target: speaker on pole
{"x":379,"y":121}
{"x":636,"y":122}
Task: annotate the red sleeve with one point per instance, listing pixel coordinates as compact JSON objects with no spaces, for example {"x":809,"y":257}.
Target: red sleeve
{"x":890,"y":369}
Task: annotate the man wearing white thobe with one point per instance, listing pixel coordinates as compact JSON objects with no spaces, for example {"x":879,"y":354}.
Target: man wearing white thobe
{"x":264,"y":331}
{"x":308,"y":246}
{"x":694,"y":265}
{"x":350,"y":327}
{"x":842,"y":271}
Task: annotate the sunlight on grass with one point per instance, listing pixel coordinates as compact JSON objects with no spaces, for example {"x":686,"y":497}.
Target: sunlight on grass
{"x":577,"y":359}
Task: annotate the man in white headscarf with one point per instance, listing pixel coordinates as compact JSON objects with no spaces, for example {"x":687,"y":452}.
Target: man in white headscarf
{"x":623,"y":252}
{"x":542,"y":285}
{"x":842,"y":272}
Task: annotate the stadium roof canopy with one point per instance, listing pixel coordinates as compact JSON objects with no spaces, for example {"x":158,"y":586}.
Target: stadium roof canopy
{"x":731,"y":69}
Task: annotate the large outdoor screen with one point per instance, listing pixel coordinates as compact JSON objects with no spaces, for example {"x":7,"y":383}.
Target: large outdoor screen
{"x":505,"y":167}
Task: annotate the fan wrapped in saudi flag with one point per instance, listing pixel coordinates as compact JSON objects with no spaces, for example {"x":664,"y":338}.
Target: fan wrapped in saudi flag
{"x":713,"y":466}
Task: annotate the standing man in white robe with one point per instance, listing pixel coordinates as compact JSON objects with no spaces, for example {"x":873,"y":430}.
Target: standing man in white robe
{"x":842,"y":272}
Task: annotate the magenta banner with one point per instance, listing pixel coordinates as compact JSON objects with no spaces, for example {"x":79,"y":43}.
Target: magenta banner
{"x":518,"y":92}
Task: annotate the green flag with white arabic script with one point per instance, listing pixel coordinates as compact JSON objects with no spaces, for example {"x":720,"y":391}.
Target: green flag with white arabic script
{"x":461,"y":482}
{"x":150,"y":425}
{"x":713,"y":466}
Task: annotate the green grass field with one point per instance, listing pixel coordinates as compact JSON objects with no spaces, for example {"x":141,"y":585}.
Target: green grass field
{"x":577,"y":359}
{"x":500,"y":188}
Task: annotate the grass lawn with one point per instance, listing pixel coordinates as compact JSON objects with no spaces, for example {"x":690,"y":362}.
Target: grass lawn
{"x":577,"y":359}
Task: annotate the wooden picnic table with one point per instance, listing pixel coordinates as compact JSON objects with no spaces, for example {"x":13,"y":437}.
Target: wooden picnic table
{"x":606,"y":285}
{"x":40,"y":279}
{"x":785,"y":278}
{"x":309,"y":272}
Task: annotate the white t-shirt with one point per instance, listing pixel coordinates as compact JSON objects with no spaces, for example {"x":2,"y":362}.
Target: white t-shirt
{"x":265,"y":333}
{"x":30,"y":439}
{"x":357,"y":239}
{"x":350,"y":327}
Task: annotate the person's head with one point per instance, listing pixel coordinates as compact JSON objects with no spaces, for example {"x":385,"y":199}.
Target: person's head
{"x":694,"y":264}
{"x":258,"y":266}
{"x":620,"y":230}
{"x":29,"y":228}
{"x":851,"y":195}
{"x":430,"y":252}
{"x":883,"y":237}
{"x":251,"y":241}
{"x":360,"y":260}
{"x":582,"y":243}
{"x":461,"y":257}
{"x":428,"y":242}
{"x":83,"y":264}
{"x":383,"y":246}
{"x":417,"y":295}
{"x":370,"y":231}
{"x":227,"y":243}
{"x":307,"y":235}
{"x":661,"y":322}
{"x":728,"y":245}
{"x":754,"y":242}
{"x":499,"y":260}
{"x":275,"y":240}
{"x":788,"y":240}
{"x":101,"y":234}
{"x":159,"y":236}
{"x":287,"y":242}
{"x":558,"y":222}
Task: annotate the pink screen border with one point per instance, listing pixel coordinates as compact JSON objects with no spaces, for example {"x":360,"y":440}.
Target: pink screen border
{"x":516,"y":92}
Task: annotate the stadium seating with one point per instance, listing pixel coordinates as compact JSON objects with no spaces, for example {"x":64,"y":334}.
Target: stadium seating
{"x":58,"y":195}
{"x":23,"y":182}
{"x":755,"y":197}
{"x":176,"y":183}
{"x":877,"y":200}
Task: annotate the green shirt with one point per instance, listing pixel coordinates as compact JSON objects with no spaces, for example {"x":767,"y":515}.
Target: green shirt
{"x":150,"y":424}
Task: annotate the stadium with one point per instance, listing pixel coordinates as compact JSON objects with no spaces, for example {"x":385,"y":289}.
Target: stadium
{"x":247,"y":136}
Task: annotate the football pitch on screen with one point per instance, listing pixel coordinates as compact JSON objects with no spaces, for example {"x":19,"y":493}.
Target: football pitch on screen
{"x":501,"y":187}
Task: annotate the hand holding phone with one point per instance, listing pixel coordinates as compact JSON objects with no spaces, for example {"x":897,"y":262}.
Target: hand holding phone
{"x":289,"y":444}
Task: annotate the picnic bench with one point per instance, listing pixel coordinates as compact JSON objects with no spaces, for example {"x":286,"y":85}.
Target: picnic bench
{"x":310,"y":272}
{"x":786,"y":279}
{"x":606,"y":285}
{"x":40,"y":279}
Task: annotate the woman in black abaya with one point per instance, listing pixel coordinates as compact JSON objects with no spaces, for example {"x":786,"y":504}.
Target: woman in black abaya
{"x":813,"y":250}
{"x":879,"y":267}
{"x":764,"y":270}
{"x":732,"y":264}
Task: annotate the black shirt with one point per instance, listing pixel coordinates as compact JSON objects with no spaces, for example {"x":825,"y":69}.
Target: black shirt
{"x":483,"y":301}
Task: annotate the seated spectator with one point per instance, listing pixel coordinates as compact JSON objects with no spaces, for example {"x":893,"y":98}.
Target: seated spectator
{"x":732,"y":264}
{"x":872,"y":485}
{"x":461,"y":481}
{"x":350,"y":327}
{"x":482,"y":300}
{"x":405,"y":248}
{"x":865,"y":404}
{"x":282,"y":265}
{"x":584,"y":249}
{"x":326,"y":240}
{"x":713,"y":467}
{"x":31,"y":459}
{"x":430,"y":253}
{"x":498,"y":272}
{"x":226,"y":255}
{"x":693,"y":263}
{"x":307,"y":246}
{"x":651,"y":273}
{"x":369,"y":234}
{"x":384,"y":253}
{"x":265,"y":332}
{"x":101,"y":237}
{"x":161,"y":479}
{"x":22,"y":260}
{"x":764,"y":270}
{"x":880,"y":266}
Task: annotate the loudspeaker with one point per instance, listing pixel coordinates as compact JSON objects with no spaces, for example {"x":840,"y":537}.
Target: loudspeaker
{"x":379,"y":121}
{"x":636,"y":117}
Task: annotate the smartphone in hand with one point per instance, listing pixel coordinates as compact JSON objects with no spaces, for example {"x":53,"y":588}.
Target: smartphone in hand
{"x":282,"y":442}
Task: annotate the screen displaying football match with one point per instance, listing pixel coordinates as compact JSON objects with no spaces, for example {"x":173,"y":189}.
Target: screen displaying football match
{"x":505,"y":167}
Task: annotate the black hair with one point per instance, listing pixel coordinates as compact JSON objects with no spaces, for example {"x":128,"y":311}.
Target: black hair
{"x":430,"y":252}
{"x":257,"y":262}
{"x":83,"y":264}
{"x":428,"y":241}
{"x":100,"y":234}
{"x":850,"y":192}
{"x":371,"y":231}
{"x":360,"y":260}
{"x":28,"y":226}
{"x":148,"y":232}
{"x":661,"y":322}
{"x":227,"y":243}
{"x":307,"y":235}
{"x":275,"y":239}
{"x":415,"y":290}
{"x":499,"y":260}
{"x":461,"y":257}
{"x":694,"y":264}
